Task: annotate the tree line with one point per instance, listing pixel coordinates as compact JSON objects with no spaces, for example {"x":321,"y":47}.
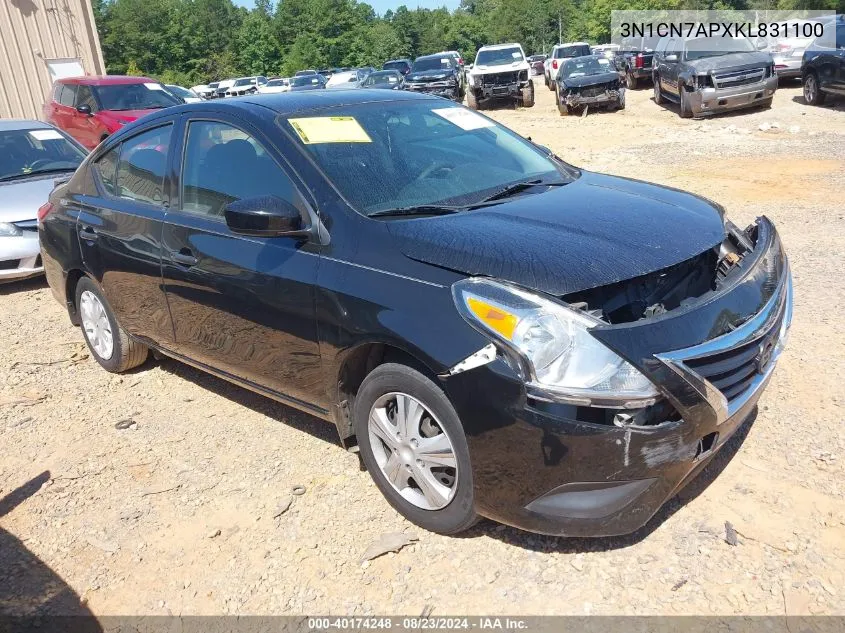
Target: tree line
{"x":196,"y":41}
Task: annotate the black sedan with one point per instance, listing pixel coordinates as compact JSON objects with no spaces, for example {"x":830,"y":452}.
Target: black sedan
{"x":500,"y":333}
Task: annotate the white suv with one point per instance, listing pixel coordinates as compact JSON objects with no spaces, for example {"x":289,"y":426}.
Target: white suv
{"x":500,"y":72}
{"x":562,"y":51}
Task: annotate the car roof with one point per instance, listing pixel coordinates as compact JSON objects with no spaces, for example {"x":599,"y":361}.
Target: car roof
{"x":11,"y":125}
{"x":432,"y":56}
{"x":401,"y":59}
{"x":572,"y":44}
{"x":494,"y":47}
{"x":106,"y":80}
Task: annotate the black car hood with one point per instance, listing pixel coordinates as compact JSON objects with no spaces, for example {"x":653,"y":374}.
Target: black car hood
{"x":428,"y":75}
{"x":592,"y":232}
{"x":590,"y":80}
{"x":731,"y":61}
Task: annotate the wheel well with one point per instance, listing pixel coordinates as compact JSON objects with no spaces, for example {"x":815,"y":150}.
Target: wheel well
{"x":356,"y":367}
{"x":73,"y":278}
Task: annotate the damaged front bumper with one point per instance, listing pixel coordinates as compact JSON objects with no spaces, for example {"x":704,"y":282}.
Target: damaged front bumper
{"x":608,"y":97}
{"x":561,"y":468}
{"x":713,"y":100}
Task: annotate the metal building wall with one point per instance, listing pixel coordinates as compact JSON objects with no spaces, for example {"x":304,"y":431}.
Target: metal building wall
{"x":33,"y":33}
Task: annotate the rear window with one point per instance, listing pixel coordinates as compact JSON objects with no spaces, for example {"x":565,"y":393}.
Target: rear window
{"x":434,"y":63}
{"x":304,"y":80}
{"x":564,"y":52}
{"x":400,"y":66}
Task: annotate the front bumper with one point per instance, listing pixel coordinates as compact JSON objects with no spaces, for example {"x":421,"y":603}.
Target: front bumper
{"x":712,"y":100}
{"x":566,"y":469}
{"x":513,"y":91}
{"x":448,"y":91}
{"x":605,"y":98}
{"x":20,"y":257}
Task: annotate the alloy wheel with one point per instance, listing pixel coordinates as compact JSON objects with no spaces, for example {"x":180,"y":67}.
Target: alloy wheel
{"x":95,"y":323}
{"x":413,"y":451}
{"x":810,"y":89}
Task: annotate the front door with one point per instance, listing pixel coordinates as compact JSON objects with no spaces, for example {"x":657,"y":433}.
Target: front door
{"x":120,"y":231}
{"x":240,"y":305}
{"x":87,"y":130}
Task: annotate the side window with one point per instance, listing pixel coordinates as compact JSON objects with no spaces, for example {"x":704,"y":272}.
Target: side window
{"x":57,"y":92}
{"x":671,"y":47}
{"x":68,"y":95}
{"x":840,"y":36}
{"x":85,"y":97}
{"x":140,"y":170}
{"x":107,"y":167}
{"x":223,"y":164}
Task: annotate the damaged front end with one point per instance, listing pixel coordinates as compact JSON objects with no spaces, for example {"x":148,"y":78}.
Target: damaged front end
{"x":608,"y":94}
{"x":706,"y":333}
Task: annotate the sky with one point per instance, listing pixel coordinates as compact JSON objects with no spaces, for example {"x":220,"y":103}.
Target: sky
{"x":381,"y":6}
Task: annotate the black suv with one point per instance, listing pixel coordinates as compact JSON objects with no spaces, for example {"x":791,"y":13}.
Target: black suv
{"x":438,"y":75}
{"x":823,"y":68}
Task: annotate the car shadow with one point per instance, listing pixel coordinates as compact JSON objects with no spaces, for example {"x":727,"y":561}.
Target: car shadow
{"x":33,"y":596}
{"x":13,"y":287}
{"x":260,"y":404}
{"x":831,"y":104}
{"x":565,"y":545}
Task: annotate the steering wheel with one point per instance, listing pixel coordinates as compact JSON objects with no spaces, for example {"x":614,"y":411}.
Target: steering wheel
{"x":434,"y":168}
{"x":40,"y":162}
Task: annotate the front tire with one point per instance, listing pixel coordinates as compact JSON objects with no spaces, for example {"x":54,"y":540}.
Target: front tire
{"x":659,"y":99}
{"x":685,"y":109}
{"x":472,"y":100}
{"x":414,"y":447}
{"x":108,"y":343}
{"x":812,"y":93}
{"x":631,"y":82}
{"x":528,"y":95}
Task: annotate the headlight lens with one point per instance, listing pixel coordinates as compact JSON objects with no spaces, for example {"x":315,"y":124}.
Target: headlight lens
{"x":555,"y":340}
{"x":9,"y":230}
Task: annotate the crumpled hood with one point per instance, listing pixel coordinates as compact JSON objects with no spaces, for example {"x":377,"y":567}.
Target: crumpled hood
{"x":590,"y":80}
{"x":20,"y":199}
{"x":429,"y":75}
{"x":731,"y":61}
{"x":592,"y":232}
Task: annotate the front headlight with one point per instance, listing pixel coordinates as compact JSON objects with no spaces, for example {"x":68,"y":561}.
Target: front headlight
{"x":9,"y":230}
{"x":555,"y":340}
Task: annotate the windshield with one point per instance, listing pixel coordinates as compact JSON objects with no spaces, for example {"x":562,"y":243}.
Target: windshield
{"x":585,"y":66}
{"x":144,"y":96}
{"x":343,"y":78}
{"x":716,"y":46}
{"x":304,"y":80}
{"x":498,"y":57}
{"x":276,"y":82}
{"x":400,"y":66}
{"x":432,"y":63}
{"x":243,"y":82}
{"x":381,"y":79}
{"x":29,"y":152}
{"x":214,"y":84}
{"x":390,"y":155}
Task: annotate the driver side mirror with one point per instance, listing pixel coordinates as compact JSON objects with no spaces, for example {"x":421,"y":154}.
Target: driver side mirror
{"x":264,"y":216}
{"x":671,"y":57}
{"x":84,"y":109}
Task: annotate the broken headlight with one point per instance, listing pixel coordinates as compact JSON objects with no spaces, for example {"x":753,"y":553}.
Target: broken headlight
{"x":562,"y":356}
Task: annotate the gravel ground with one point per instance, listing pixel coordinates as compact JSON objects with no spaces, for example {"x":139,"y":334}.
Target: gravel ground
{"x":175,"y":513}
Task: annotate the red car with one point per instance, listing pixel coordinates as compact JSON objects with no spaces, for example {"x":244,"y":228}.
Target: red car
{"x":92,"y":108}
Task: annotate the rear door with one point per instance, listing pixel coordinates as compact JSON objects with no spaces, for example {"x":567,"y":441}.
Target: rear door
{"x":120,"y":231}
{"x":63,"y":109}
{"x":241,"y":305}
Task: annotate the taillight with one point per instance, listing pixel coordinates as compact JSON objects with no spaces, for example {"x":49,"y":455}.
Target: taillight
{"x":639,"y":60}
{"x":554,"y":64}
{"x":44,"y":210}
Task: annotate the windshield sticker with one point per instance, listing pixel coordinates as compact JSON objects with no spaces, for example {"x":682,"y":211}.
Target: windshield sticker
{"x":604,"y":62}
{"x":152,"y":86}
{"x":464,"y":119}
{"x":45,"y":135}
{"x":516,"y":55}
{"x":329,"y":129}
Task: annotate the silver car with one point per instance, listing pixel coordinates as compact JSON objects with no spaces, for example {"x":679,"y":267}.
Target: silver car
{"x":33,"y":155}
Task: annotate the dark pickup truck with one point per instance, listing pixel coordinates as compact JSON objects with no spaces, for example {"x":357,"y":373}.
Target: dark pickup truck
{"x":634,"y":59}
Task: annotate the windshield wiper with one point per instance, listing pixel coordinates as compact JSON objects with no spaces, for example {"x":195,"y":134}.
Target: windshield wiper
{"x":36,"y":173}
{"x":420,"y":209}
{"x":517,"y":187}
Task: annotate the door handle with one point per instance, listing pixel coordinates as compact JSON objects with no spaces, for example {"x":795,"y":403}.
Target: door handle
{"x":184,"y":257}
{"x":88,"y":234}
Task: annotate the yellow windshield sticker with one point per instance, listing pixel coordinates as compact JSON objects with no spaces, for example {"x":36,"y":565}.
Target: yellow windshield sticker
{"x":330,"y":129}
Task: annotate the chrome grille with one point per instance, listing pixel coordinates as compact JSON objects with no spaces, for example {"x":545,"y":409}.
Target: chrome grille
{"x":739,"y":78}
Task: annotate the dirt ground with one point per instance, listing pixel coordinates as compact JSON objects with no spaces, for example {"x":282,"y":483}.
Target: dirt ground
{"x":175,"y":514}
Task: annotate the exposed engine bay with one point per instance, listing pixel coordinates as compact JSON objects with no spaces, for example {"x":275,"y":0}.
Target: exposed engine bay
{"x":671,"y":288}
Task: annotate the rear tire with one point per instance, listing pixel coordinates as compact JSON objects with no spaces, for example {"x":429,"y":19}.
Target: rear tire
{"x":561,"y":107}
{"x":812,"y":93}
{"x":528,"y":95}
{"x":620,"y":105}
{"x":445,"y":506}
{"x":108,"y":343}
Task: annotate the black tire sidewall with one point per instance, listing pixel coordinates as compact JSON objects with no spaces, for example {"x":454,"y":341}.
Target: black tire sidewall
{"x":390,"y":377}
{"x":112,"y":364}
